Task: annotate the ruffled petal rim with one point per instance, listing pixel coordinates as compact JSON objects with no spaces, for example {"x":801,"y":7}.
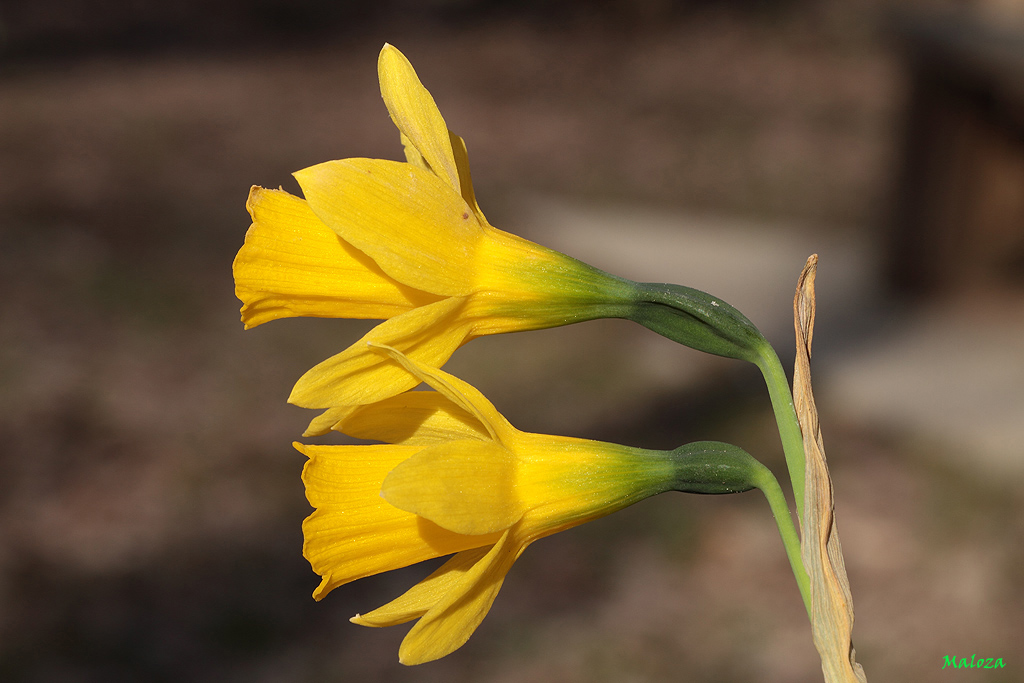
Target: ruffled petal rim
{"x":291,"y":264}
{"x":354,"y":532}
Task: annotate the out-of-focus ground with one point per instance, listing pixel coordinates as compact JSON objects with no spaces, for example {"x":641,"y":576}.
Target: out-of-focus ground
{"x":150,"y":502}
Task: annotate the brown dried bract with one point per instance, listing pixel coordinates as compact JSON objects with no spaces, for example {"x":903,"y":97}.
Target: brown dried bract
{"x":822,"y":555}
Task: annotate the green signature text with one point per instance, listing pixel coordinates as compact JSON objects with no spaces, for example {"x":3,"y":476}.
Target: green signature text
{"x":975,"y":662}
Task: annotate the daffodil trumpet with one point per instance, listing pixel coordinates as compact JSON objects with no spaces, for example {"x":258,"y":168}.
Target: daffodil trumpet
{"x":407,"y":243}
{"x":452,"y":476}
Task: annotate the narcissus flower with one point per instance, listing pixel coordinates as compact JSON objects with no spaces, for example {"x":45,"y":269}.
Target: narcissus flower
{"x":406,"y":242}
{"x":455,"y":477}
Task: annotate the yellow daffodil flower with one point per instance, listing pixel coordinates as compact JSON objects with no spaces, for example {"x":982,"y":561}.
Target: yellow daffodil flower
{"x":406,"y":242}
{"x":455,"y":477}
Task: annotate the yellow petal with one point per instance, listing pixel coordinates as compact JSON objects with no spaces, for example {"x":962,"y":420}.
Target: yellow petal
{"x":418,"y":230}
{"x":414,"y":112}
{"x":415,"y":602}
{"x":413,"y":418}
{"x":360,"y":375}
{"x":325,"y":421}
{"x":412,"y":155}
{"x":291,"y":264}
{"x":450,"y":622}
{"x":464,"y":486}
{"x":455,"y":390}
{"x":356,"y":533}
{"x":462,"y":162}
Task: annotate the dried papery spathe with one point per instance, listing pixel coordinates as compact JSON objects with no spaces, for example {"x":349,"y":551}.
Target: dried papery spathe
{"x":822,"y":554}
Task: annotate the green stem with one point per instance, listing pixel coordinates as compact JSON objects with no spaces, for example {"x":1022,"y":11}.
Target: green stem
{"x":712,"y":467}
{"x":769,"y":486}
{"x":785,"y":417}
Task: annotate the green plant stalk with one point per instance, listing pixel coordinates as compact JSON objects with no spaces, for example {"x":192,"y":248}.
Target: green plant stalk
{"x":766,"y":482}
{"x":712,"y":467}
{"x":785,"y":417}
{"x":706,"y":323}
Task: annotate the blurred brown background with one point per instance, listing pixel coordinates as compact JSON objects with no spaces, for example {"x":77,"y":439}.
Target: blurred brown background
{"x":150,"y":502}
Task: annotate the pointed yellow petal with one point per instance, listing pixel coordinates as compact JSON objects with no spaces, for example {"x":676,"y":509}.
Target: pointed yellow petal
{"x":450,"y":622}
{"x":412,"y":155}
{"x":415,"y":602}
{"x":413,"y":418}
{"x":462,"y":162}
{"x":414,"y":112}
{"x":293,"y":265}
{"x":361,"y":375}
{"x":464,"y":486}
{"x":418,"y":230}
{"x":455,"y":390}
{"x":356,"y":533}
{"x":325,"y":421}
